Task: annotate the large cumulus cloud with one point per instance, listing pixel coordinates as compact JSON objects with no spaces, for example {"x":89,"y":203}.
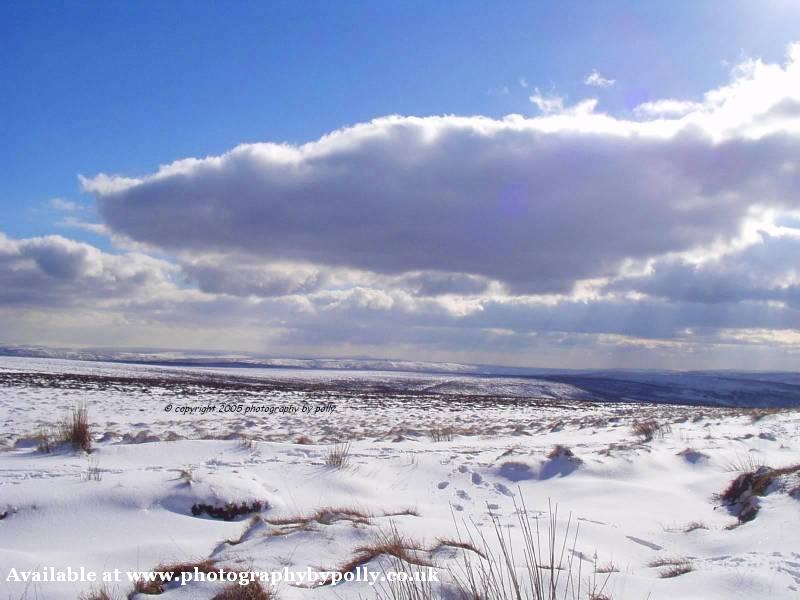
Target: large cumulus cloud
{"x":538,"y":204}
{"x":55,"y":271}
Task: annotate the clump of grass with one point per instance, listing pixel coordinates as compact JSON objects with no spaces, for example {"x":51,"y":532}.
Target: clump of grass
{"x":390,"y":544}
{"x":409,"y":586}
{"x":605,"y":568}
{"x":251,"y":526}
{"x":744,"y":464}
{"x":75,"y":429}
{"x":99,"y":593}
{"x":667,"y":561}
{"x":694,"y":526}
{"x":462,"y":544}
{"x":252,"y":591}
{"x":675,"y":566}
{"x":328,"y":516}
{"x":230,"y":510}
{"x":647,"y":429}
{"x":338,"y":456}
{"x":170,"y":572}
{"x":741,"y":495}
{"x":539,"y":567}
{"x":441,"y":434}
{"x":676,"y":570}
{"x":304,"y":440}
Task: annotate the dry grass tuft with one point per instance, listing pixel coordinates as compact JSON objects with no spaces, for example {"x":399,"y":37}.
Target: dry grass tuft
{"x":229,"y":511}
{"x":741,"y":495}
{"x":100,"y":593}
{"x":605,"y":568}
{"x":251,"y":525}
{"x":540,"y":566}
{"x":463,"y":544}
{"x":743,"y":464}
{"x":75,"y":429}
{"x":675,"y":566}
{"x":304,"y":440}
{"x":170,"y":573}
{"x":676,"y":570}
{"x":649,"y":428}
{"x":667,"y":561}
{"x":442,"y":434}
{"x":328,"y":516}
{"x":694,"y":526}
{"x":391,"y":544}
{"x":252,"y":591}
{"x":338,"y":456}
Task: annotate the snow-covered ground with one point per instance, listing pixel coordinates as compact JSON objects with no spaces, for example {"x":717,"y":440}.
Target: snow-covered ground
{"x":432,"y":458}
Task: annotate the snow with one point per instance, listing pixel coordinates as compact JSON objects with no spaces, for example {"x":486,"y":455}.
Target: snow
{"x":128,"y":505}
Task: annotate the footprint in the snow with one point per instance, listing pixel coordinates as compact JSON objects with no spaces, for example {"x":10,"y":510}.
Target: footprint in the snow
{"x":492,"y":506}
{"x":477,"y":479}
{"x":462,"y":494}
{"x":463,"y":469}
{"x":443,"y":484}
{"x":458,"y":507}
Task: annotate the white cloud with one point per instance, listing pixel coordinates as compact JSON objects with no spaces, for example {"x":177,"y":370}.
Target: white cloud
{"x":538,"y":204}
{"x":56,"y":271}
{"x":594,"y":79}
{"x":547,"y":104}
{"x":667,"y":108}
{"x":62,"y":205}
{"x":563,"y":235}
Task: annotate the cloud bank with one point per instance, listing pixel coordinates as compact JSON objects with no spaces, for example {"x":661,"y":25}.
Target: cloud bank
{"x":668,"y":231}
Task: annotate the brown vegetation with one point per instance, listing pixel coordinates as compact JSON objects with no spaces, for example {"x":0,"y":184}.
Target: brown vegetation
{"x":338,"y":456}
{"x":741,"y":494}
{"x":647,"y":429}
{"x":391,"y":544}
{"x":100,"y":593}
{"x":229,"y":511}
{"x":675,"y":566}
{"x":441,"y":434}
{"x":252,"y":591}
{"x":171,"y":572}
{"x":328,"y":516}
{"x":74,"y":429}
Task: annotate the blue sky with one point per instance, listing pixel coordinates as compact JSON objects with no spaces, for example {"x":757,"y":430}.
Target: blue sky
{"x":638,"y":208}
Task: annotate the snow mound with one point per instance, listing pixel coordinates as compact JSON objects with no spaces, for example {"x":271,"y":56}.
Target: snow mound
{"x":560,"y":462}
{"x":195,"y":494}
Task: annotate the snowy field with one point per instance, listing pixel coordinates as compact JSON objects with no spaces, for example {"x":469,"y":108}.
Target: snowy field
{"x":437,"y":465}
